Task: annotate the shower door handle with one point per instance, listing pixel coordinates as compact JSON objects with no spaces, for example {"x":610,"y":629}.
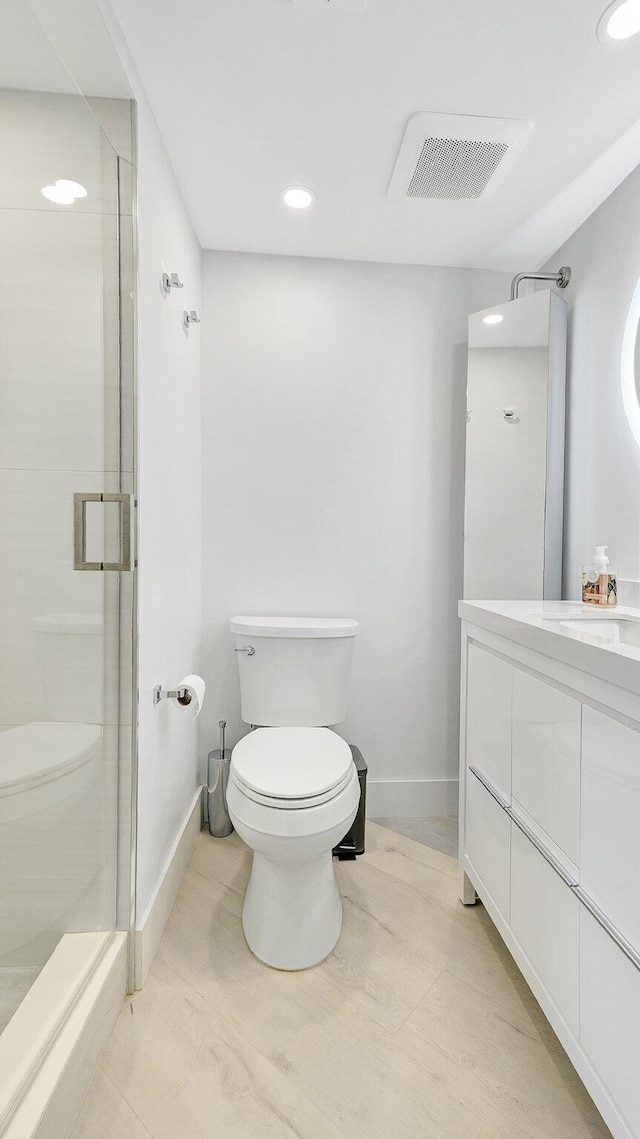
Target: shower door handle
{"x":80,"y":501}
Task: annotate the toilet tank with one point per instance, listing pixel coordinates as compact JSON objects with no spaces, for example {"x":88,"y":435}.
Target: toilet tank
{"x":70,"y":652}
{"x":297,"y":674}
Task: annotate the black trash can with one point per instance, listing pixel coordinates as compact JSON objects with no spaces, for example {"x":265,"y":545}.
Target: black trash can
{"x":353,"y":843}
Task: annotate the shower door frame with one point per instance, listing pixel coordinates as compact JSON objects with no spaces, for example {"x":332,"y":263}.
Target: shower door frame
{"x":100,"y":964}
{"x":126,"y":893}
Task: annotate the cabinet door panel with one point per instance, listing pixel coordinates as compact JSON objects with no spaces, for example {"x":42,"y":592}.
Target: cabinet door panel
{"x":545,"y":917}
{"x":546,"y":759}
{"x":489,"y":717}
{"x":610,"y":835}
{"x":610,"y":1016}
{"x":487,"y":842}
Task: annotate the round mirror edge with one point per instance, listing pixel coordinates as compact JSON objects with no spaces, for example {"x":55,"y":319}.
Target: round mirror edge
{"x":628,"y":369}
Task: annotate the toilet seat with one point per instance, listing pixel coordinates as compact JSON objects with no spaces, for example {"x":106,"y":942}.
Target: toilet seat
{"x":37,"y":752}
{"x":288,"y":804}
{"x":291,"y":768}
{"x":254,"y":819}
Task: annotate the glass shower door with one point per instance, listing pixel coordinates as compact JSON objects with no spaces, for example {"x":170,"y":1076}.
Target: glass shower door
{"x":65,"y":517}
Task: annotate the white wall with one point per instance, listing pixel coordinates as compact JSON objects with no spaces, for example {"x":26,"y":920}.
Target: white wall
{"x":333,"y":456}
{"x":169,"y":482}
{"x":603,"y":460}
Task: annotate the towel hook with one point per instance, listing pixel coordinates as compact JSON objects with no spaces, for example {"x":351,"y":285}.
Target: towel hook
{"x":171,"y":281}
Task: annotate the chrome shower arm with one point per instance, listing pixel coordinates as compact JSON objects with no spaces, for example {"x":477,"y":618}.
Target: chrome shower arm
{"x":561,"y":279}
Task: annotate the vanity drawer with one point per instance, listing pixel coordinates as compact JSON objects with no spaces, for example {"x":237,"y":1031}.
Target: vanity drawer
{"x":610,"y":834}
{"x":488,"y":842}
{"x":489,"y":681}
{"x":546,"y":759}
{"x":610,"y":1016}
{"x":545,"y":920}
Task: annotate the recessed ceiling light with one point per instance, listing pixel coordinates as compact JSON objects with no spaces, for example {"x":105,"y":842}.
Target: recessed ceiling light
{"x":493,"y":318}
{"x":63,"y":192}
{"x":298,"y":197}
{"x":620,"y":22}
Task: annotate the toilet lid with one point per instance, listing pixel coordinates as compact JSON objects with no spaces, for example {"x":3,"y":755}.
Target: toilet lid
{"x":35,"y":752}
{"x":292,"y":763}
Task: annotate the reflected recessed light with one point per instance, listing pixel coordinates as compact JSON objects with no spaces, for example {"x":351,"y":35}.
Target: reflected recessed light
{"x":620,"y":22}
{"x":63,"y":192}
{"x":298,"y":197}
{"x":493,"y":318}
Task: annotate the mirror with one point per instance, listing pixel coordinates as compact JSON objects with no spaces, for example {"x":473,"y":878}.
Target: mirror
{"x":515,"y":450}
{"x":631,"y":365}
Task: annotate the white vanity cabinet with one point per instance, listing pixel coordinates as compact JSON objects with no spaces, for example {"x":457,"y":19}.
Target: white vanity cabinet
{"x":546,"y":760}
{"x":545,"y":917}
{"x":610,"y":1018}
{"x":489,"y":684}
{"x":610,"y":819}
{"x":488,"y":844}
{"x":550,"y":833}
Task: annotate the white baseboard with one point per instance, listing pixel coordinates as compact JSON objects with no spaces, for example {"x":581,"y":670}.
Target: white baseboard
{"x":402,"y":798}
{"x":150,"y":927}
{"x":56,"y":1088}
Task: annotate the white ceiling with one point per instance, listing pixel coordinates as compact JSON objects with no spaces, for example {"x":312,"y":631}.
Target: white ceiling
{"x":254,"y":95}
{"x":29,"y":29}
{"x":28,"y":60}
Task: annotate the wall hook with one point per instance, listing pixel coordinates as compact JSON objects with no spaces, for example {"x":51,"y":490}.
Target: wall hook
{"x":171,"y":281}
{"x":190,"y":317}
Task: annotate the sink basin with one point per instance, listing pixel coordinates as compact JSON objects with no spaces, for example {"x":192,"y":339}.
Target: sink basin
{"x":603,"y":630}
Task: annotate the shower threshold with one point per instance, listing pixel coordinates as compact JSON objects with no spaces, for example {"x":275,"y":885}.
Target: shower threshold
{"x":66,"y":1015}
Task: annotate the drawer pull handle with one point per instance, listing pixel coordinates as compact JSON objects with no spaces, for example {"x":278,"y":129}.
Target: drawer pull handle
{"x":567,"y":878}
{"x":608,"y":926}
{"x":488,"y":786}
{"x":533,"y":839}
{"x":603,"y":921}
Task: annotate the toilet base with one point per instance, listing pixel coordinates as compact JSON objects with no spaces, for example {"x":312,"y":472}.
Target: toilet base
{"x":292,"y":913}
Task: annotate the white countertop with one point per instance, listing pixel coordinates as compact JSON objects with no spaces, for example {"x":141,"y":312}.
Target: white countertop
{"x":601,"y":641}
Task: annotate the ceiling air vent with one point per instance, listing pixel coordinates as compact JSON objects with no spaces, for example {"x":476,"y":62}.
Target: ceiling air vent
{"x":337,"y":5}
{"x":455,"y":157}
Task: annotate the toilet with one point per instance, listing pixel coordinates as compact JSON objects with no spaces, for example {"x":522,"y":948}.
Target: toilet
{"x":293,"y":788}
{"x":57,"y":797}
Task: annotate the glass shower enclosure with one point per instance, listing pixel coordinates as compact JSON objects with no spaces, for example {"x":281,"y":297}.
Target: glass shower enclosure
{"x":67,"y":542}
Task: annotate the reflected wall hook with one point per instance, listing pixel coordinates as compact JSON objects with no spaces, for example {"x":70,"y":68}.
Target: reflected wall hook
{"x":190,"y":317}
{"x":171,"y":281}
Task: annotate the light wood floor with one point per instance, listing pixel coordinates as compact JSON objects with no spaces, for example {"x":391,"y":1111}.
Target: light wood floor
{"x":419,"y":1024}
{"x":438,"y":831}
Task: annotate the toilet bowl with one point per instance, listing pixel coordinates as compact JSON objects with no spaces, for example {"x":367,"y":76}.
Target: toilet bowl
{"x":293,"y":793}
{"x":51,"y":836}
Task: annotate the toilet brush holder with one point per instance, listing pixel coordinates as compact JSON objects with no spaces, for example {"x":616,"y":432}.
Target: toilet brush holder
{"x":218,"y":764}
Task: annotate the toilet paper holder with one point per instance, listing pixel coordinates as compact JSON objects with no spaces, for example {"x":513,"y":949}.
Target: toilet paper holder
{"x":182,"y":695}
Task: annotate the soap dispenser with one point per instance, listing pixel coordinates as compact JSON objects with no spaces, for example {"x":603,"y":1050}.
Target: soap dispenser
{"x":599,"y":580}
